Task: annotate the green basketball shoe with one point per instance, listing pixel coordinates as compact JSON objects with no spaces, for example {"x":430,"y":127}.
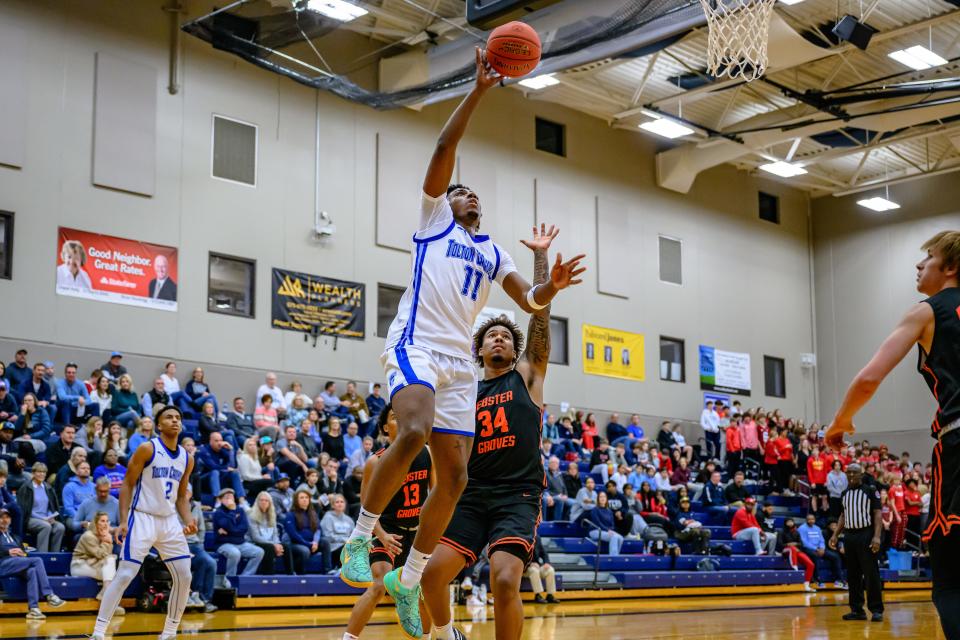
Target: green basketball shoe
{"x":355,"y":563}
{"x":407,"y":603}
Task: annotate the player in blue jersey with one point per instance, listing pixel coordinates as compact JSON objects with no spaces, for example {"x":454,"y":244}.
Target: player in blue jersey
{"x":154,"y":492}
{"x":428,"y":361}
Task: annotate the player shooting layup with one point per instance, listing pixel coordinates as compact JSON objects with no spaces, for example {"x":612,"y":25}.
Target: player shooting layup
{"x":154,"y":491}
{"x":428,"y":361}
{"x":934,"y":325}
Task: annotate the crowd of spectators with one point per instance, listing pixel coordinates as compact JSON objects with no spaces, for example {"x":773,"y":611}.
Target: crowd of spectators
{"x":278,"y":486}
{"x":640,"y":485}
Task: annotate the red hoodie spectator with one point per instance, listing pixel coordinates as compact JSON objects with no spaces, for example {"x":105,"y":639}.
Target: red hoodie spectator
{"x":743,"y":519}
{"x":817,"y":469}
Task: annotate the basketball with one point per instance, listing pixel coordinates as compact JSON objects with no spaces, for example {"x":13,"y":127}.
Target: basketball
{"x":513,"y":49}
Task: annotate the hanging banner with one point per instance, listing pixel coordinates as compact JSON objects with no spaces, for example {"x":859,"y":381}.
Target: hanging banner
{"x":307,"y":303}
{"x":613,"y":353}
{"x":724,"y":371}
{"x":117,"y":270}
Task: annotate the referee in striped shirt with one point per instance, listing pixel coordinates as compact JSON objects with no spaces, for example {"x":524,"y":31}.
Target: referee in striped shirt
{"x":861,"y":526}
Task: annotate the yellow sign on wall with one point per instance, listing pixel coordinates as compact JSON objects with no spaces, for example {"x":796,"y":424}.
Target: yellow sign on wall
{"x":613,"y":353}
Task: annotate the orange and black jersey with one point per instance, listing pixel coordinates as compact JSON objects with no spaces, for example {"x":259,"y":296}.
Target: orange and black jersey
{"x":404,"y":508}
{"x":941,"y":367}
{"x":506,"y":448}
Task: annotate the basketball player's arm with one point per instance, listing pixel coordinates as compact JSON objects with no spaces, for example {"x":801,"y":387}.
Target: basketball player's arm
{"x":445,"y":154}
{"x":183,"y":500}
{"x":533,"y":366}
{"x":909,"y":332}
{"x":138,"y":461}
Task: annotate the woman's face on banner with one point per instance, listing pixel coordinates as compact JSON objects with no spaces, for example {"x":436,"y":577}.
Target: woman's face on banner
{"x":73,"y":261}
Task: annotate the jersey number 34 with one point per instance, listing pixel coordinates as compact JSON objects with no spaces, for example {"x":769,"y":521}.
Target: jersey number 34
{"x":490,"y":422}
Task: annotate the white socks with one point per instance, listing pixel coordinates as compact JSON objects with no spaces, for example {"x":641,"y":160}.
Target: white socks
{"x":413,"y":569}
{"x":366,"y":521}
{"x":349,"y":636}
{"x":445,"y":632}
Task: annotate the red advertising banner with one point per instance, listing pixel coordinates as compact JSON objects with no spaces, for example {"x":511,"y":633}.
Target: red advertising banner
{"x":117,"y":270}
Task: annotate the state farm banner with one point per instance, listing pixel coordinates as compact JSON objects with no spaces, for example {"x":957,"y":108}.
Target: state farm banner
{"x":303,"y":302}
{"x":109,"y":269}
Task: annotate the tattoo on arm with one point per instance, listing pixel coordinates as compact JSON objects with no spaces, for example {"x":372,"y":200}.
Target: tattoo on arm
{"x":538,"y":333}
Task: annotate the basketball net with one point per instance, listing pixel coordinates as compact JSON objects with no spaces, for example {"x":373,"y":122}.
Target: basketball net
{"x":739,"y":31}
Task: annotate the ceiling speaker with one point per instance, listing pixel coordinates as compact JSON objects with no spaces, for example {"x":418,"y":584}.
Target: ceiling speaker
{"x":854,"y":32}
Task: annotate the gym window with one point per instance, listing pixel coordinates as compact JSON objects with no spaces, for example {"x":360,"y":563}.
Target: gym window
{"x":558,"y":341}
{"x":6,"y":245}
{"x":388,"y":300}
{"x":671,"y":360}
{"x":234,"y":151}
{"x":551,"y":137}
{"x":773,"y":377}
{"x":671,"y":258}
{"x":231,"y":285}
{"x":769,"y":207}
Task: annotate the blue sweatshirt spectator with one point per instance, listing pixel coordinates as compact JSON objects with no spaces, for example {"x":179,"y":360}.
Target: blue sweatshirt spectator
{"x":36,"y":385}
{"x":113,"y":472}
{"x":302,"y":525}
{"x":230,"y":526}
{"x":233,"y":522}
{"x":220,"y":466}
{"x":811,"y":536}
{"x":602,"y":517}
{"x":18,"y":372}
{"x":70,"y":392}
{"x":77,"y":491}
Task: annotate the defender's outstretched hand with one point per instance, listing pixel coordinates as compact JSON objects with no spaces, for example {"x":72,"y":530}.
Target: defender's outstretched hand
{"x":542,"y":238}
{"x":486,"y":76}
{"x":564,"y":274}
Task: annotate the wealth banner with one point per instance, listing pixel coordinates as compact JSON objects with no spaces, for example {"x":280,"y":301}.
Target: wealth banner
{"x":308,"y":303}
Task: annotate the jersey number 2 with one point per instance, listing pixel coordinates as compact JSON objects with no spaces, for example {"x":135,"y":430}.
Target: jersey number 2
{"x":499,"y":422}
{"x":476,"y":275}
{"x":411,"y":495}
{"x":169,"y":490}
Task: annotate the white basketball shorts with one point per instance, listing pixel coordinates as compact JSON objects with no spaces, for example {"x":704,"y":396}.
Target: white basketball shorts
{"x":453,"y":381}
{"x":146,"y":531}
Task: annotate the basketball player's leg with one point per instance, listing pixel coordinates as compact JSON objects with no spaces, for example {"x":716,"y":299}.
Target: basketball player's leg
{"x":367,"y":604}
{"x":506,"y":571}
{"x":444,"y":565}
{"x":141,"y":535}
{"x":172,"y":546}
{"x":414,"y":407}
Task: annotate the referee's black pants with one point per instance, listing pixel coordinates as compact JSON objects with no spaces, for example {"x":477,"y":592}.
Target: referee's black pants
{"x":863,"y":570}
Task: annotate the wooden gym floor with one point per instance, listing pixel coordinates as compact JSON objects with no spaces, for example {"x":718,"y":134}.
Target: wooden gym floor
{"x":770,"y":617}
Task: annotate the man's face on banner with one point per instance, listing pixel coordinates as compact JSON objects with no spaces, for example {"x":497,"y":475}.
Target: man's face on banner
{"x":160,"y":267}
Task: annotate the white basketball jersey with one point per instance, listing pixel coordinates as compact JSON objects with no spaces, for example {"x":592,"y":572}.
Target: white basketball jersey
{"x":452,"y":275}
{"x":156,"y":491}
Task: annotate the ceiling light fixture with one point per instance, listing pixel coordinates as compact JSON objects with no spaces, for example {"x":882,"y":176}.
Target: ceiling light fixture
{"x":878,"y":204}
{"x":539,"y":82}
{"x":337,"y":9}
{"x":783,"y":169}
{"x":791,"y":1}
{"x":918,"y":57}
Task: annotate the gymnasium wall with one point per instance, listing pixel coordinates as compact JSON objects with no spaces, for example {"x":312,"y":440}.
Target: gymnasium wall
{"x":746,"y":283}
{"x":865,"y":283}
